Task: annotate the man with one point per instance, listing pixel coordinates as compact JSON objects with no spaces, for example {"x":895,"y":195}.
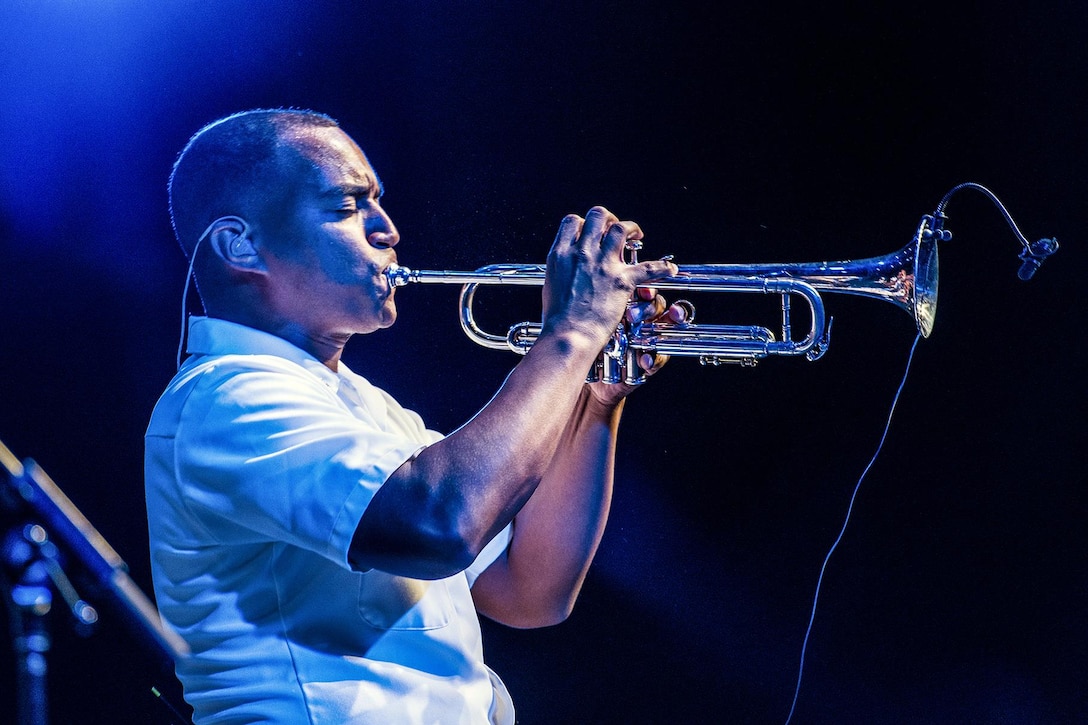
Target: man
{"x":322,"y":552}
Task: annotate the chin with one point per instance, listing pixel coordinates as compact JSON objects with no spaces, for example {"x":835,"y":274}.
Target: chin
{"x":374,"y":320}
{"x":387,"y":316}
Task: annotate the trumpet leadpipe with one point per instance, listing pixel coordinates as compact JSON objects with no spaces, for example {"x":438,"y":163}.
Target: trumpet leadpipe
{"x":513,"y":274}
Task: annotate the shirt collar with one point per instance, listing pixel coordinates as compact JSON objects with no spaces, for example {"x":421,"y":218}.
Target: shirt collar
{"x":213,"y":336}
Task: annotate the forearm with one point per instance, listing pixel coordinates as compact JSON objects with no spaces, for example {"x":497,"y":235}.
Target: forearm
{"x":557,"y":532}
{"x":460,"y":492}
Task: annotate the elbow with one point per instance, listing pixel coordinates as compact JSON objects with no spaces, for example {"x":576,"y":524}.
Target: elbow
{"x":551,"y":616}
{"x":446,"y":554}
{"x":450,"y":538}
{"x":533,"y":617}
{"x":529,"y":611}
{"x":429,"y":545}
{"x":420,"y":560}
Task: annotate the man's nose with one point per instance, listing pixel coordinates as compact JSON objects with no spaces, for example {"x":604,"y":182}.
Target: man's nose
{"x":380,"y":231}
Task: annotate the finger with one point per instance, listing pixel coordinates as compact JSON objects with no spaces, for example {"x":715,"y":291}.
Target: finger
{"x":677,"y":313}
{"x":569,"y":229}
{"x":641,"y":311}
{"x":656,"y":311}
{"x":644,"y":272}
{"x":615,"y":239}
{"x":598,"y":221}
{"x":559,"y":254}
{"x":650,"y":364}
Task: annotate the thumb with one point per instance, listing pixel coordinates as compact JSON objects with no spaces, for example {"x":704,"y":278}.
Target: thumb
{"x":647,"y":271}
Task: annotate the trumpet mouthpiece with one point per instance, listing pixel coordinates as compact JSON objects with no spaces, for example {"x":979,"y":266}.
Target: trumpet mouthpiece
{"x":397,"y":275}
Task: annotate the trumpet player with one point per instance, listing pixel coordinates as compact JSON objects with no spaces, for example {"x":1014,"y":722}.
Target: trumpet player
{"x":323,"y":553}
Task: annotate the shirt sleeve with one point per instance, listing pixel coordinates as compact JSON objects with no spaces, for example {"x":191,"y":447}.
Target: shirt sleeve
{"x":490,"y":553}
{"x":265,"y":455}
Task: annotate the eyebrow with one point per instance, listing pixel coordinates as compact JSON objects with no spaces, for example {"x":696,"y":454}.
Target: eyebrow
{"x":354,"y":189}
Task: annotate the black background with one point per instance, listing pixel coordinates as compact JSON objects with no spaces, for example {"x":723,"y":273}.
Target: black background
{"x":786,"y":132}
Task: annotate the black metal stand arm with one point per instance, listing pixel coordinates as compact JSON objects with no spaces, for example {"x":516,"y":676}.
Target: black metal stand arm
{"x":44,"y":535}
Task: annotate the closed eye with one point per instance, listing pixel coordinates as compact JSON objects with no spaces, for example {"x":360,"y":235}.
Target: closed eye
{"x":359,"y":203}
{"x":351,"y":205}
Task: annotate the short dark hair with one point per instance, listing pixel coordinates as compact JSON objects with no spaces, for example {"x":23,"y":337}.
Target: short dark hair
{"x":228,"y":167}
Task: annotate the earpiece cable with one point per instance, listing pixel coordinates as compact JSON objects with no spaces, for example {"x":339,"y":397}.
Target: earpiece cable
{"x":185,"y":291}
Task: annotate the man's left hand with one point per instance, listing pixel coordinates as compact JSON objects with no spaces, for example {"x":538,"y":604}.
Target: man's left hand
{"x":648,"y":306}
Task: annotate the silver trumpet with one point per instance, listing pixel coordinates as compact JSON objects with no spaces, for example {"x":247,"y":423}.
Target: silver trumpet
{"x":907,"y":278}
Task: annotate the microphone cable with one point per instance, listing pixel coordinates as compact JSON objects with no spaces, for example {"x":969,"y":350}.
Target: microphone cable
{"x":846,"y":520}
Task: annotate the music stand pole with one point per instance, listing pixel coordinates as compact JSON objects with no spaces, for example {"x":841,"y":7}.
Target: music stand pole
{"x":31,"y":598}
{"x":39,"y":514}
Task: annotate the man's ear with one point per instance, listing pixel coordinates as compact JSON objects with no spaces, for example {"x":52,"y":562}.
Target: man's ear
{"x":229,"y":238}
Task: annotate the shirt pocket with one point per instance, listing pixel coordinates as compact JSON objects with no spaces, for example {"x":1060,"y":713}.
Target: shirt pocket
{"x":392,"y":602}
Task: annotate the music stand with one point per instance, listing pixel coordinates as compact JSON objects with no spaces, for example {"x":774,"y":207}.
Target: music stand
{"x":43,"y":532}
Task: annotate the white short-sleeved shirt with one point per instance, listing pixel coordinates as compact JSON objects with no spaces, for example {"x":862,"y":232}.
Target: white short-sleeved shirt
{"x":259,"y":464}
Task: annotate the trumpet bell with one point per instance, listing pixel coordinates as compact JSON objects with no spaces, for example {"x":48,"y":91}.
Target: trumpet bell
{"x":924,"y":295}
{"x":907,"y":278}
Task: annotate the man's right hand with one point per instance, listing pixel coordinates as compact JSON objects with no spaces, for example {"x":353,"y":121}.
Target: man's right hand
{"x":588,"y":282}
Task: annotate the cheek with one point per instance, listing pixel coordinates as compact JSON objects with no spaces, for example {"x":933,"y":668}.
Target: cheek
{"x":349,"y":266}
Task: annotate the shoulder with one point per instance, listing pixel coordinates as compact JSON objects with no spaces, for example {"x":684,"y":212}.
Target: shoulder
{"x":240,"y":382}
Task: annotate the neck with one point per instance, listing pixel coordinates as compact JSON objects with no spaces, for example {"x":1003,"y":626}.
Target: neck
{"x":325,"y":347}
